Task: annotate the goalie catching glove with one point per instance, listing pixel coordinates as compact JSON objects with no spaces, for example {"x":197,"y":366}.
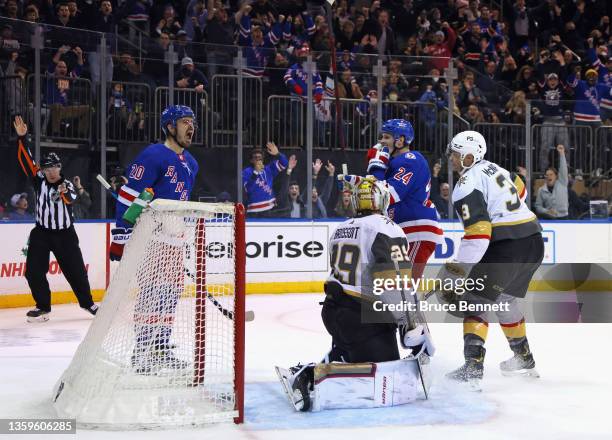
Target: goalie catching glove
{"x":418,"y":340}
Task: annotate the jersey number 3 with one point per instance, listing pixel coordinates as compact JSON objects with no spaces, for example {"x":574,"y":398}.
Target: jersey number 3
{"x":345,"y":258}
{"x":515,"y":202}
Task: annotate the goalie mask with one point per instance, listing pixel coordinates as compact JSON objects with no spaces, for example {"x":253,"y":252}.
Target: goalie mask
{"x":371,"y":196}
{"x":466,"y":143}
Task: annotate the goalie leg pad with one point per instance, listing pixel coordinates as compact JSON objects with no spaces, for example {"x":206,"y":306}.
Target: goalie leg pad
{"x":365,"y":385}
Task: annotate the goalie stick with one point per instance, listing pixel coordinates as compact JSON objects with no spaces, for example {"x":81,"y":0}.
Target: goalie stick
{"x":412,"y":323}
{"x":249,"y":314}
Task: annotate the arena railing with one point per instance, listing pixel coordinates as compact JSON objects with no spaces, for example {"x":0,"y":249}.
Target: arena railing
{"x":577,"y":139}
{"x":603,"y":150}
{"x":67,"y":107}
{"x":13,"y":101}
{"x":505,"y":143}
{"x":130,"y":113}
{"x":225,"y":106}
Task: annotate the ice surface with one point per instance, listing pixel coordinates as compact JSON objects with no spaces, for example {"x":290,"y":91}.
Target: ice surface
{"x":571,"y":400}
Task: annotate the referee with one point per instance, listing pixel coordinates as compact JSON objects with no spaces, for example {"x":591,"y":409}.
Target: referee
{"x":54,"y":231}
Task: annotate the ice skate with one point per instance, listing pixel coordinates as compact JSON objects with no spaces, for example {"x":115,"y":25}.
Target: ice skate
{"x":521,"y":364}
{"x":155,"y":361}
{"x":37,"y":315}
{"x":472,"y":370}
{"x":92,"y":310}
{"x":298,"y":381}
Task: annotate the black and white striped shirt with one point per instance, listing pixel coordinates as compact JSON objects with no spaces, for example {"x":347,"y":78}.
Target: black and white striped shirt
{"x":54,"y":210}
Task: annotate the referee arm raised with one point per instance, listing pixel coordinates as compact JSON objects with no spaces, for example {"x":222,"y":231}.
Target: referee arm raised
{"x":54,"y":231}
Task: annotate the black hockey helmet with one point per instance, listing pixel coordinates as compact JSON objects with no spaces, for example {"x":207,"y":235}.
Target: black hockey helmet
{"x":50,"y":160}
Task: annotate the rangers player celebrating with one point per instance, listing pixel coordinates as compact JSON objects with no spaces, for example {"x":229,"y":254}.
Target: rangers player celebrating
{"x":363,"y":368}
{"x":170,"y":171}
{"x":409,"y":179}
{"x":502,"y":245}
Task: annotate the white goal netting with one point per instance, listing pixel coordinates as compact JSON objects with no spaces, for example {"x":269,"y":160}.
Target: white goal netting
{"x":165,"y":349}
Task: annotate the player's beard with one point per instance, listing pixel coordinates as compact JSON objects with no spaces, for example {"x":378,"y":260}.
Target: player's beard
{"x":185,"y":139}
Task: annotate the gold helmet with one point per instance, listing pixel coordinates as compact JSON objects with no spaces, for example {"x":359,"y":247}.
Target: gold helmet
{"x":371,"y":196}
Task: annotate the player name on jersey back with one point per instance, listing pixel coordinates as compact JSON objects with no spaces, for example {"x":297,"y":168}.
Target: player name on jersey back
{"x":348,"y":232}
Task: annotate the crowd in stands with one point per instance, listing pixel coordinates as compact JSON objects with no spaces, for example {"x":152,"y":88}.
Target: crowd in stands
{"x":549,"y":50}
{"x":556,"y":53}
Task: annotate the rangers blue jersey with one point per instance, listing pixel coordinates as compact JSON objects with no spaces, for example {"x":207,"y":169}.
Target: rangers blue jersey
{"x":588,"y":99}
{"x":605,"y":77}
{"x":170,"y":175}
{"x":409,"y":183}
{"x":257,"y":56}
{"x":258,"y":185}
{"x":296,"y":75}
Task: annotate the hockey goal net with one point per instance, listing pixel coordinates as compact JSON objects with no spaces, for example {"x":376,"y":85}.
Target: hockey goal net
{"x":166,"y":348}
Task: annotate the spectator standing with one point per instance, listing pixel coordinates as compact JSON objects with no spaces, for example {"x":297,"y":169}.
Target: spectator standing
{"x":319,"y":200}
{"x":220,"y":38}
{"x":60,"y":102}
{"x":344,"y":206}
{"x":195,"y":17}
{"x":554,"y":131}
{"x":19,"y":203}
{"x":588,"y":95}
{"x":258,"y":180}
{"x":258,"y":48}
{"x":440,"y":191}
{"x":442,"y":47}
{"x":80,"y":207}
{"x":552,"y":199}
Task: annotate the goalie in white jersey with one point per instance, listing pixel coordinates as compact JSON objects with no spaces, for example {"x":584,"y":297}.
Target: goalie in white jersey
{"x":504,"y":237}
{"x":363,"y":368}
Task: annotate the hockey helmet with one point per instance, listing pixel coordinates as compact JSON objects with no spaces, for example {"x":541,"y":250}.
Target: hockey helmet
{"x":370,"y":196}
{"x":173,"y":113}
{"x":397,"y":128}
{"x":468,"y":142}
{"x":50,"y":160}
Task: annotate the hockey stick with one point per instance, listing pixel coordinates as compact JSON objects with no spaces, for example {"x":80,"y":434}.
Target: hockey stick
{"x":332,"y":44}
{"x":249,"y":315}
{"x":107,"y":186}
{"x":412,"y":323}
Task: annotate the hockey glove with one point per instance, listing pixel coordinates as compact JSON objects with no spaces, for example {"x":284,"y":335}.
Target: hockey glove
{"x":418,"y":340}
{"x":378,"y":157}
{"x":450,"y":277}
{"x":120,"y":238}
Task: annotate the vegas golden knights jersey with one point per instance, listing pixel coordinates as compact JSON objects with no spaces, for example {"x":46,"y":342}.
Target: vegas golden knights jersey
{"x":366,"y":247}
{"x":490,"y":202}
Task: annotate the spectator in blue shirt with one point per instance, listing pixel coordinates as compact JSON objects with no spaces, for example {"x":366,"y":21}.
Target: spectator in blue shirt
{"x":258,"y":180}
{"x":19,"y":203}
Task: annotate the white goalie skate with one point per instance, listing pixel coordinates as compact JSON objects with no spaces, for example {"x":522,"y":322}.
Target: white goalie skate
{"x":297,"y":383}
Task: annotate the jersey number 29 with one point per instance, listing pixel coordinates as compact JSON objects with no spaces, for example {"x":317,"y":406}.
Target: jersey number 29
{"x":345,"y":258}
